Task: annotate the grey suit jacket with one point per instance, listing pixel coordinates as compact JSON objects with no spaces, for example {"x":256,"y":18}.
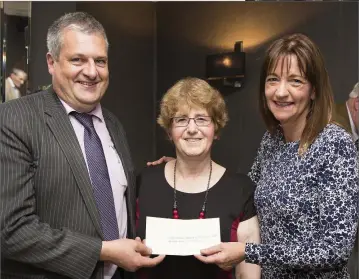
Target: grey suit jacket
{"x":50,"y":226}
{"x":340,"y":116}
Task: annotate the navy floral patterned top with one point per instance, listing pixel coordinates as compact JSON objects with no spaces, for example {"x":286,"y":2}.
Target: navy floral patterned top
{"x":307,"y":206}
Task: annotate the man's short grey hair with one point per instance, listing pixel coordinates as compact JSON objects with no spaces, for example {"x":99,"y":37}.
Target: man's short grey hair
{"x":355,"y":91}
{"x":79,"y":21}
{"x":18,"y":72}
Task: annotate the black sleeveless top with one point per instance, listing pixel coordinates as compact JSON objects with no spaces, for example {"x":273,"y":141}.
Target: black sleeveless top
{"x":230,"y":199}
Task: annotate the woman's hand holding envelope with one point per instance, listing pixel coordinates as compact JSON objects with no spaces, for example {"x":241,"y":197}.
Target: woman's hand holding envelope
{"x":226,"y":255}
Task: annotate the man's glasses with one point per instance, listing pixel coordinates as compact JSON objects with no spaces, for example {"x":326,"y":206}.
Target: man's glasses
{"x":182,"y":121}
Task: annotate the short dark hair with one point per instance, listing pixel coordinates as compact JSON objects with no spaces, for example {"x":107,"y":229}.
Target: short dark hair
{"x":80,"y":21}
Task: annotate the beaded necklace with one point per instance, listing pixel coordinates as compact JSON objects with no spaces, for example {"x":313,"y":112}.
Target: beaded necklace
{"x":175,"y":212}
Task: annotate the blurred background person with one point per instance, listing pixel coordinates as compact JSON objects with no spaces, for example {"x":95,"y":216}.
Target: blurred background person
{"x":13,"y":84}
{"x":193,"y":186}
{"x":347,"y":115}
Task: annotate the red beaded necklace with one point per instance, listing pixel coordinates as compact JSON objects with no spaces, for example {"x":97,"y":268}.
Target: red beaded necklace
{"x":202,"y":213}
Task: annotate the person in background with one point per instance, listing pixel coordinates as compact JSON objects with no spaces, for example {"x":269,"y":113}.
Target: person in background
{"x":193,"y":186}
{"x":347,"y":115}
{"x":13,"y":83}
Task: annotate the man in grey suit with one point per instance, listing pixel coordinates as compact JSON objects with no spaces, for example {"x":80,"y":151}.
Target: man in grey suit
{"x":347,"y":115}
{"x":66,"y":177}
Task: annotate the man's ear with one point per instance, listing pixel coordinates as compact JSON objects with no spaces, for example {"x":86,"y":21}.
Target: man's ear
{"x":50,"y":62}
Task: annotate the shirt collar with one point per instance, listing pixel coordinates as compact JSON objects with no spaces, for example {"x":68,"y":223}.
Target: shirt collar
{"x":97,"y":111}
{"x":12,"y":83}
{"x":352,"y":126}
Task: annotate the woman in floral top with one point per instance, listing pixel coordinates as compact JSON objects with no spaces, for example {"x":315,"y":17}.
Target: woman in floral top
{"x":306,"y":173}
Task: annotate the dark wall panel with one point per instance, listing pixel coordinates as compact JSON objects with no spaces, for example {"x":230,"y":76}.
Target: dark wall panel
{"x":15,"y":41}
{"x":188,"y":31}
{"x":130,"y":31}
{"x":42,"y":16}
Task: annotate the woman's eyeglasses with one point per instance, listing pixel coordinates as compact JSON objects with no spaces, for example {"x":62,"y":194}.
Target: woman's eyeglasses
{"x":200,"y":121}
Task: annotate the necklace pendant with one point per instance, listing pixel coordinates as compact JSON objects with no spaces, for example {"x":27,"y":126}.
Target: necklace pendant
{"x":175,"y":213}
{"x":202,"y":214}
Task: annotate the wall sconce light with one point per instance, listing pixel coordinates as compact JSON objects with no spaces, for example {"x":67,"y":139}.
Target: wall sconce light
{"x":228,"y":68}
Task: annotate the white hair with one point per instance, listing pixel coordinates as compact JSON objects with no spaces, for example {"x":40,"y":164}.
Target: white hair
{"x":19,"y":72}
{"x":355,"y":91}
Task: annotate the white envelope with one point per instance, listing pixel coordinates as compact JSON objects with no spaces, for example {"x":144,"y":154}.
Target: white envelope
{"x":181,"y":237}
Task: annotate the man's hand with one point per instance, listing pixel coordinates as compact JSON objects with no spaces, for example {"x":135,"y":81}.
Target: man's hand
{"x":129,"y":254}
{"x":225,"y":255}
{"x":163,"y":159}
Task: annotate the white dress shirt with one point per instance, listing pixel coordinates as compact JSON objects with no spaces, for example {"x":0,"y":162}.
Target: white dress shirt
{"x":14,"y":88}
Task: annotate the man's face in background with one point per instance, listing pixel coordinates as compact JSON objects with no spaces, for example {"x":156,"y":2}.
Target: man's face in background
{"x":18,"y":79}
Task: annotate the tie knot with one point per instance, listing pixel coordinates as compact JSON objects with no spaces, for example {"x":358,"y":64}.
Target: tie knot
{"x":85,"y":119}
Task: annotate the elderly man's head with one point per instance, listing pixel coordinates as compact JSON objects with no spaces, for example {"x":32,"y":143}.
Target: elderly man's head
{"x":355,"y":92}
{"x":353,"y":104}
{"x":18,"y":77}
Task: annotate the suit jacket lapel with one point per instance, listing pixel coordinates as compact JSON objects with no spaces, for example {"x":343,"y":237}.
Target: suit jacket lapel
{"x":60,"y":125}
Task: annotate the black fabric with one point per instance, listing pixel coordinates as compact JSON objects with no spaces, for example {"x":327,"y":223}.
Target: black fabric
{"x":230,"y":198}
{"x":119,"y":274}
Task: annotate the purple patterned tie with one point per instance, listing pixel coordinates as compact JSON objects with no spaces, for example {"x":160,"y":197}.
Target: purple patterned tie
{"x":99,"y":177}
